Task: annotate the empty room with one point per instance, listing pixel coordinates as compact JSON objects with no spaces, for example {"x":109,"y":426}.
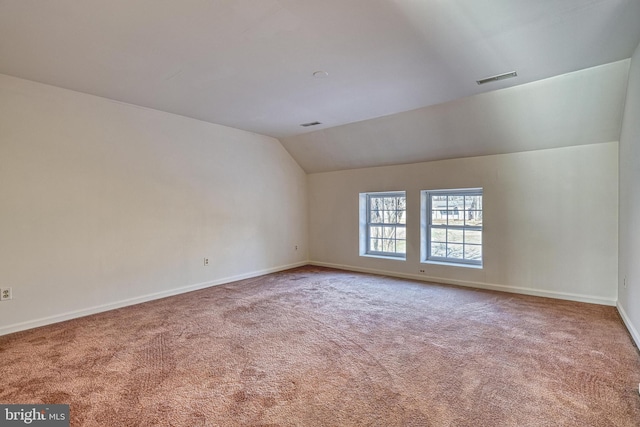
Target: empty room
{"x":335,"y":213}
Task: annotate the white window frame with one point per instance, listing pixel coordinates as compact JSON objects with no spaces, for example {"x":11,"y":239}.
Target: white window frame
{"x":366,"y":224}
{"x":427,"y":226}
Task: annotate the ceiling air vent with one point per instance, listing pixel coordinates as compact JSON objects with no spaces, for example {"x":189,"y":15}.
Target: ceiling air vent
{"x":306,"y":125}
{"x":496,"y":78}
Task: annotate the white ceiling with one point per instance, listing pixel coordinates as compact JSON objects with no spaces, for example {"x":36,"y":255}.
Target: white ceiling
{"x":249,"y":63}
{"x":582,"y":107}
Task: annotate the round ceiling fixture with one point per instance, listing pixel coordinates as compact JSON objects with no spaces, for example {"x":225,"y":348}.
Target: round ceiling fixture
{"x":320,"y":74}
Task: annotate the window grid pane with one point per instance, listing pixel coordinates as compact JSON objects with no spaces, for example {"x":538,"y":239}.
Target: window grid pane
{"x":386,"y":224}
{"x":454,"y":226}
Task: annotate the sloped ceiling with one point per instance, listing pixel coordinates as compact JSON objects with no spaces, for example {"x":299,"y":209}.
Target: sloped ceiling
{"x":249,"y":64}
{"x":583,"y":107}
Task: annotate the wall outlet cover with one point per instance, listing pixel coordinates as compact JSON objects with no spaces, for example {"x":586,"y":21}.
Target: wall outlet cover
{"x":6,"y":294}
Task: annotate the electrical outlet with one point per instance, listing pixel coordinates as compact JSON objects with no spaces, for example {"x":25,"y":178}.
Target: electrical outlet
{"x":296,"y":247}
{"x":206,"y":262}
{"x":421,"y":271}
{"x":6,"y":294}
{"x":625,"y":282}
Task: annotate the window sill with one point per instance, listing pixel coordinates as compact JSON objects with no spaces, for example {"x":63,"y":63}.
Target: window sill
{"x":396,"y":258}
{"x":454,"y":264}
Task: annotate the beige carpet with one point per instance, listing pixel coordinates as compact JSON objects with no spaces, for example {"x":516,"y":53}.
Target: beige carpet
{"x":321,"y":347}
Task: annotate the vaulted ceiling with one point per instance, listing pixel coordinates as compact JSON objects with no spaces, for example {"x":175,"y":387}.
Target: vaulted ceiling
{"x":249,"y":64}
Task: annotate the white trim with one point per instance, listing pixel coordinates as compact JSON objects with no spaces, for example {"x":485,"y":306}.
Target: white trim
{"x":43,"y":321}
{"x":627,"y":322}
{"x":454,"y":264}
{"x":397,"y":258}
{"x":490,"y":286}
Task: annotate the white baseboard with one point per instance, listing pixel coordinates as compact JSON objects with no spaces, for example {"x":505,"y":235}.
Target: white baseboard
{"x":16,"y":327}
{"x":43,"y":321}
{"x":490,"y":286}
{"x":632,"y":330}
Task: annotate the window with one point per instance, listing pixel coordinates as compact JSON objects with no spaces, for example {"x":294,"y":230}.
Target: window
{"x":452,"y":226}
{"x":384,"y":224}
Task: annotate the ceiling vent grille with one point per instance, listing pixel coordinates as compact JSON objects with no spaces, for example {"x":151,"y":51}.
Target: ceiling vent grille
{"x":306,"y":125}
{"x":496,"y":78}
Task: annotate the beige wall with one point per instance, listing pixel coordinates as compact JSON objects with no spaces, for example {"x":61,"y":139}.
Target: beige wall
{"x":629,"y":294}
{"x":105,"y":204}
{"x":550,"y":220}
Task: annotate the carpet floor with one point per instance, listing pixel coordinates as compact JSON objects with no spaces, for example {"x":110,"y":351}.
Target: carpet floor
{"x":319,"y":347}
